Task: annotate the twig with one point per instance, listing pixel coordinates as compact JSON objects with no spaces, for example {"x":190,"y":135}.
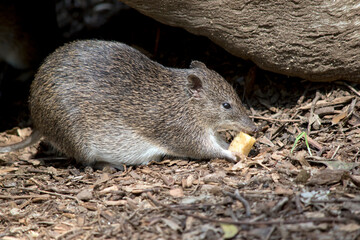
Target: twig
{"x":247,"y":222}
{"x":355,"y":157}
{"x":317,"y":159}
{"x":324,"y":103}
{"x":302,"y":97}
{"x":313,"y":104}
{"x":275,"y":120}
{"x":261,"y":164}
{"x":51,"y":193}
{"x":278,"y":131}
{"x":201,"y":206}
{"x":279,"y":205}
{"x":16,"y":175}
{"x":23,"y":196}
{"x":265,"y":104}
{"x":350,"y":87}
{"x":335,"y":201}
{"x":270,"y":233}
{"x":244,"y":202}
{"x":197,"y":186}
{"x":50,"y":159}
{"x":281,"y":128}
{"x":351,"y":108}
{"x":241,"y":199}
{"x":71,"y":234}
{"x":337,"y":149}
{"x":298,"y":203}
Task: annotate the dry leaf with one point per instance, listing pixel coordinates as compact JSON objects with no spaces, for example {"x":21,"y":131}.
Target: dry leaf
{"x":327,"y":176}
{"x":287,"y":166}
{"x":187,"y":182}
{"x":34,"y":234}
{"x":300,"y":156}
{"x":337,"y":165}
{"x":9,"y":238}
{"x":354,"y":120}
{"x":132,"y":203}
{"x":103,"y":178}
{"x":189,"y":223}
{"x":61,"y":228}
{"x":213,"y":189}
{"x":325,"y":111}
{"x":353,"y":207}
{"x":193,"y":199}
{"x":90,"y":206}
{"x":109,"y":189}
{"x":138,"y":188}
{"x":261,"y":232}
{"x":168,"y":180}
{"x":314,"y":214}
{"x":277,"y":156}
{"x":80,"y":220}
{"x":134,"y":175}
{"x":146,"y":170}
{"x":115,"y":203}
{"x":355,"y":180}
{"x":8,"y":169}
{"x":238,"y":166}
{"x":172,"y":224}
{"x":275,"y":177}
{"x":307,"y":227}
{"x":338,"y":118}
{"x":307,"y":197}
{"x":69,"y":215}
{"x":323,"y":103}
{"x":178,"y":162}
{"x":266,"y":141}
{"x":279,"y":190}
{"x":27,"y":157}
{"x":351,"y":227}
{"x":214,"y":177}
{"x":176,"y":192}
{"x":85,"y":195}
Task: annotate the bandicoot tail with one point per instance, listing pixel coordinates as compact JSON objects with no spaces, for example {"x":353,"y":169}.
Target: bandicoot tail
{"x":32,"y":139}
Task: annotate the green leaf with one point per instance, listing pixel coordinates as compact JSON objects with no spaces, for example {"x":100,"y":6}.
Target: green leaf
{"x":306,"y":142}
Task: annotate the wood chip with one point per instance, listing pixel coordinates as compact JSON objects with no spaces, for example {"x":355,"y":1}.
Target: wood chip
{"x":176,"y":192}
{"x":323,"y":103}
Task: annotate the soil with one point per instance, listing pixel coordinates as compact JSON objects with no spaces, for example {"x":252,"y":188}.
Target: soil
{"x":281,"y":190}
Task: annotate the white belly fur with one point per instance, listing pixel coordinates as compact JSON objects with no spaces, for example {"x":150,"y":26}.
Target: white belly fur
{"x":130,"y":152}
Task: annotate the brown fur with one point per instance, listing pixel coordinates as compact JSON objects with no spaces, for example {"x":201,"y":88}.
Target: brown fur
{"x":101,"y":101}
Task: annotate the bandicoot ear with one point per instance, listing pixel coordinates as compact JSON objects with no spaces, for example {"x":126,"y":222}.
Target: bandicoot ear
{"x":195,"y":85}
{"x":197,"y":64}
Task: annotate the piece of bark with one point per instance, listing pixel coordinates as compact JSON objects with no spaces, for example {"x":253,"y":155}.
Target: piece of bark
{"x":315,"y":40}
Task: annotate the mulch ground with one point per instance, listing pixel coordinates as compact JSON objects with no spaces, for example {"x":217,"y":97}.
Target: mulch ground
{"x":272,"y":194}
{"x":280,"y":191}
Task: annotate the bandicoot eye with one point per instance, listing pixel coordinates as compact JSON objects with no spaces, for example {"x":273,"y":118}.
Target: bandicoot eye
{"x":226,"y":105}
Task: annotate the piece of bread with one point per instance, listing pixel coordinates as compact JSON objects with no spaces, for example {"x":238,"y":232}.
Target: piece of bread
{"x":242,"y":143}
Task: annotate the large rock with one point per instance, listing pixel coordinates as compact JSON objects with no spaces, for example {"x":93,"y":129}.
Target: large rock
{"x":311,"y":39}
